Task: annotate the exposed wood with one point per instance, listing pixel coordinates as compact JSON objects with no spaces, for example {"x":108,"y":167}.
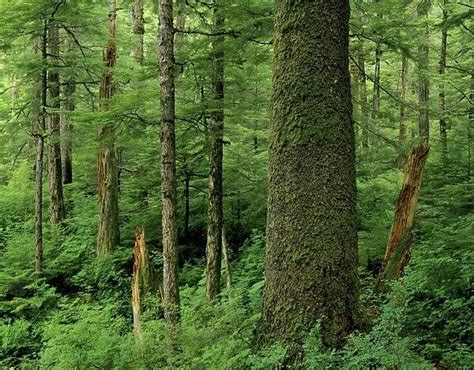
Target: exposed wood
{"x":168,"y":163}
{"x":140,"y":280}
{"x":225,"y":254}
{"x":400,"y":240}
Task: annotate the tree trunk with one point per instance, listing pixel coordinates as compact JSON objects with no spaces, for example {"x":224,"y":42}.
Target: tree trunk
{"x":403,"y":128}
{"x":168,"y":163}
{"x":311,"y":257}
{"x":66,"y":126}
{"x":355,"y":84}
{"x":376,"y":97}
{"x":140,"y":280}
{"x":108,"y":234}
{"x":442,"y":72}
{"x":39,"y":125}
{"x":225,"y":254}
{"x":401,"y":237}
{"x":138,"y":30}
{"x":187,"y":179}
{"x":57,"y":210}
{"x":215,"y":207}
{"x":423,"y":82}
{"x":363,"y":97}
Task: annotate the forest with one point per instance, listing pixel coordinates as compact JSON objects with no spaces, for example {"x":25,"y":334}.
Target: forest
{"x":236,"y":184}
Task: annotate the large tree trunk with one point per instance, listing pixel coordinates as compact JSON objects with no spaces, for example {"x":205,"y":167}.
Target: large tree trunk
{"x":215,"y":207}
{"x":401,"y":238}
{"x":140,"y":280}
{"x":168,"y":163}
{"x":57,"y":210}
{"x":108,"y":234}
{"x":442,"y":72}
{"x":39,"y":125}
{"x":423,"y":79}
{"x":66,"y":126}
{"x":311,"y":257}
{"x":138,"y":30}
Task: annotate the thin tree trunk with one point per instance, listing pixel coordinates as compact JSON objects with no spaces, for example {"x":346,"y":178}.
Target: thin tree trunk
{"x":215,"y":207}
{"x":363,"y":97}
{"x":108,"y":234}
{"x":376,"y":96}
{"x":225,"y":254}
{"x":403,"y":127}
{"x":401,"y":238}
{"x":140,"y":280}
{"x":311,"y":256}
{"x":423,"y":83}
{"x":355,"y":84}
{"x":138,"y":30}
{"x":57,"y":210}
{"x":187,"y":179}
{"x":66,"y":126}
{"x":39,"y":126}
{"x":442,"y":72}
{"x":168,"y":163}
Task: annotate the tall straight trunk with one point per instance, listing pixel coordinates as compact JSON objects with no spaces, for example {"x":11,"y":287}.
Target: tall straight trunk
{"x":215,"y":206}
{"x":39,"y":126}
{"x":355,"y":84}
{"x":108,"y":234}
{"x":423,"y":79}
{"x":442,"y":72}
{"x":363,"y":97}
{"x":187,"y":180}
{"x":403,"y":127}
{"x":311,"y":256}
{"x":376,"y":93}
{"x":57,"y":210}
{"x":138,"y":30}
{"x":66,"y":125}
{"x":168,"y":163}
{"x":401,"y":238}
{"x":140,"y":280}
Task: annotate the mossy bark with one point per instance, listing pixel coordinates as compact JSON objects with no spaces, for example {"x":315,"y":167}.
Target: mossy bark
{"x":56,"y":206}
{"x":168,"y":164}
{"x":216,"y":130}
{"x":108,"y":233}
{"x":423,"y":74}
{"x":311,"y":256}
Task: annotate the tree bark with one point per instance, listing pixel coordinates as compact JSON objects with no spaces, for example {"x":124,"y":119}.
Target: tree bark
{"x":66,"y":126}
{"x":57,"y":210}
{"x":442,"y":72}
{"x":108,"y":234}
{"x":39,"y":125}
{"x":311,"y":256}
{"x":376,"y":96}
{"x":225,"y":254}
{"x":403,"y":128}
{"x":140,"y":280}
{"x":401,"y":238}
{"x":138,"y":30}
{"x":215,"y":205}
{"x":423,"y":79}
{"x":168,"y":163}
{"x":363,"y":97}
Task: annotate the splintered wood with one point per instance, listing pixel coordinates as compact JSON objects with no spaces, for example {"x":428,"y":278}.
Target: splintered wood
{"x":140,"y":279}
{"x":400,"y":240}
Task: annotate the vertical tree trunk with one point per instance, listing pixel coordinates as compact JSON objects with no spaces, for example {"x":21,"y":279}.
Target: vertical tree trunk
{"x":57,"y":210}
{"x":376,"y":95}
{"x":442,"y":72}
{"x":355,"y":84}
{"x":401,"y":237}
{"x":403,"y":128}
{"x":140,"y":280}
{"x":311,"y":257}
{"x":66,"y":126}
{"x":39,"y":125}
{"x":215,"y":207}
{"x":225,"y":254}
{"x":363,"y":97}
{"x":423,"y":82}
{"x":108,"y":234}
{"x":168,"y":163}
{"x":187,"y":179}
{"x":138,"y":30}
